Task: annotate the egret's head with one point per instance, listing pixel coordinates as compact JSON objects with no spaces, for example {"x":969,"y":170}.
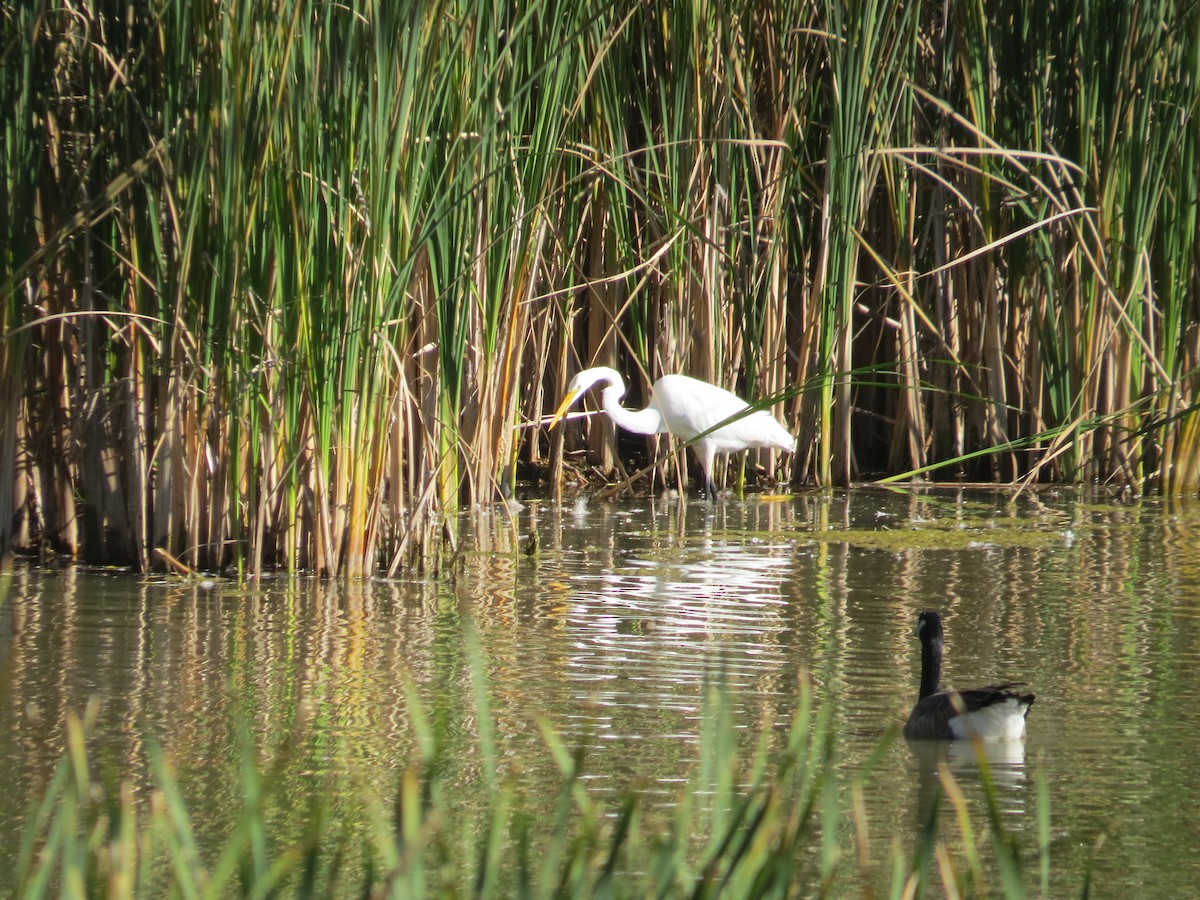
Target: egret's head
{"x":580,"y":385}
{"x":573,"y":394}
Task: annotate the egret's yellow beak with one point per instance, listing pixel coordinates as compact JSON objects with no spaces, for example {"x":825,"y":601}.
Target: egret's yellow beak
{"x":570,"y":399}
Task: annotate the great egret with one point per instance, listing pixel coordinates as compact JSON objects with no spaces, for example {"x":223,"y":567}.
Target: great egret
{"x":994,"y":713}
{"x":684,"y":407}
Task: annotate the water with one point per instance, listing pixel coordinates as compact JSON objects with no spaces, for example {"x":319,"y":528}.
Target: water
{"x":610,"y":632}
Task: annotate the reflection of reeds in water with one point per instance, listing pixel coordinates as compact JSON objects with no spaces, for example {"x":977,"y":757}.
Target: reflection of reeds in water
{"x":273,"y":294}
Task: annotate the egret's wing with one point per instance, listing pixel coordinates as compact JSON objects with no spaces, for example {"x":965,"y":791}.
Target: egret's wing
{"x":690,"y":407}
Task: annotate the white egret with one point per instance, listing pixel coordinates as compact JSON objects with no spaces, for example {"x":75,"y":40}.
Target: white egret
{"x":684,"y":407}
{"x":994,"y":713}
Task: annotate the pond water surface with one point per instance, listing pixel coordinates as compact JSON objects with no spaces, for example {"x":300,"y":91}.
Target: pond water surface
{"x":611,"y":630}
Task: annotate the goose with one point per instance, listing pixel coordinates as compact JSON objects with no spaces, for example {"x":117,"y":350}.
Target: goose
{"x":993,"y":713}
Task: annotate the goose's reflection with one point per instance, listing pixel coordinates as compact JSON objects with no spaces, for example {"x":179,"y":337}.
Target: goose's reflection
{"x":966,"y":761}
{"x":8,"y":618}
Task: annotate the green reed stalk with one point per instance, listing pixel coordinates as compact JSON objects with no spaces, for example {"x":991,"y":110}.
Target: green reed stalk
{"x":18,"y":159}
{"x":777,"y":186}
{"x":1129,"y":154}
{"x":867,"y":72}
{"x":1173,"y":241}
{"x":598,"y":191}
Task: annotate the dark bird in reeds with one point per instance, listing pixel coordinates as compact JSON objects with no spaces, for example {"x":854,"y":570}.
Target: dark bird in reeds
{"x":993,"y":713}
{"x":685,"y":407}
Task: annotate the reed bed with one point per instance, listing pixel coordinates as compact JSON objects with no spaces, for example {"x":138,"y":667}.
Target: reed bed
{"x":280,"y":283}
{"x":775,"y":820}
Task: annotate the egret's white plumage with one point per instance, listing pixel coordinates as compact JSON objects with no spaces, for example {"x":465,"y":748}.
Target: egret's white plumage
{"x":685,"y":407}
{"x":993,"y":713}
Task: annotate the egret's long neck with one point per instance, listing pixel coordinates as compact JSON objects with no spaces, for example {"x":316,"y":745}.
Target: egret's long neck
{"x":931,"y":666}
{"x":641,"y":421}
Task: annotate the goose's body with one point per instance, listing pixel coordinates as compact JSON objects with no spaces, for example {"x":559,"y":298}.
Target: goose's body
{"x":993,"y":713}
{"x":685,"y":407}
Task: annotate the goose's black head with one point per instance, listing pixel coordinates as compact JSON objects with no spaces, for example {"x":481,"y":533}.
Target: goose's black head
{"x":929,"y":627}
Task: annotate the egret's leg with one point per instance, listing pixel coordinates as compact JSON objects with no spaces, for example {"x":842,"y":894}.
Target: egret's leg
{"x":710,"y":488}
{"x":705,"y":453}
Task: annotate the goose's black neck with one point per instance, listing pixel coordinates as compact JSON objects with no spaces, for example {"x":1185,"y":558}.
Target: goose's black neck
{"x":929,"y":630}
{"x":931,"y":664}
